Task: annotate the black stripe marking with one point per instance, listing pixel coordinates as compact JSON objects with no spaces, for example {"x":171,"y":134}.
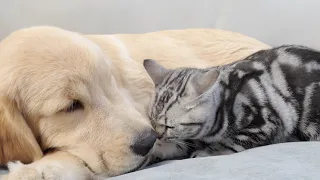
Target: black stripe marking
{"x":218,"y":123}
{"x":228,"y":147}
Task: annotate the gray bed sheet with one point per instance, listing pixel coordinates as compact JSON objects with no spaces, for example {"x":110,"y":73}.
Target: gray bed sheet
{"x":287,"y":161}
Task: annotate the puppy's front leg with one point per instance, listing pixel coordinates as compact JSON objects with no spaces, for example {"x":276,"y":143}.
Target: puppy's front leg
{"x":56,"y":166}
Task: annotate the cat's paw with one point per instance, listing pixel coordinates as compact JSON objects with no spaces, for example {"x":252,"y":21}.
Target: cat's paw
{"x":164,"y":150}
{"x":198,"y":154}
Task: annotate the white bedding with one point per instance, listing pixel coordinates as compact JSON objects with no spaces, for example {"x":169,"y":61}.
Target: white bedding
{"x":288,"y":161}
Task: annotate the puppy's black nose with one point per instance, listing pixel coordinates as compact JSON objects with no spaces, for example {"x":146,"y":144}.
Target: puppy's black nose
{"x":144,"y":143}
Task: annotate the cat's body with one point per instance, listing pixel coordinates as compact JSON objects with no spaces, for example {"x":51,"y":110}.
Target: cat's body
{"x":270,"y":97}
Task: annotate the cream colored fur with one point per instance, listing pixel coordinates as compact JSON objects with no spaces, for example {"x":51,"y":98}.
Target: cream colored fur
{"x":43,"y":69}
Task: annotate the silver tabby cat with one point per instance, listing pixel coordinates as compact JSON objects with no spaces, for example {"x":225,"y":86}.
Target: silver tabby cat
{"x":270,"y":97}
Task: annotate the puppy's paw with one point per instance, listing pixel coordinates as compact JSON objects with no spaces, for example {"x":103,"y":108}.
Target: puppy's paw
{"x":19,"y":171}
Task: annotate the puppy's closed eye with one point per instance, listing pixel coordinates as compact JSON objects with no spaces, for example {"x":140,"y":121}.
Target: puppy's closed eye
{"x":74,"y":106}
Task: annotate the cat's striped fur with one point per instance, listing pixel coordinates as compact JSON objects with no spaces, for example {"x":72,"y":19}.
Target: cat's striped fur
{"x":270,"y":97}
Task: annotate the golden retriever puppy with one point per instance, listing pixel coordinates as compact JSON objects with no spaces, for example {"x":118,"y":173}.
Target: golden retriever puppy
{"x":73,"y":106}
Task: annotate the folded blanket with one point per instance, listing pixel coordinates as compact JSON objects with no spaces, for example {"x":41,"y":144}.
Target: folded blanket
{"x":287,"y":161}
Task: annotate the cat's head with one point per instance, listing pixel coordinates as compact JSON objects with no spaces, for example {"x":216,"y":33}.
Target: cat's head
{"x":183,"y":105}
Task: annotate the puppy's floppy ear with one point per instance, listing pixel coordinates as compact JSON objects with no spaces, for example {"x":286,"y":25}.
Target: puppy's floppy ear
{"x":155,"y":71}
{"x":17,"y":142}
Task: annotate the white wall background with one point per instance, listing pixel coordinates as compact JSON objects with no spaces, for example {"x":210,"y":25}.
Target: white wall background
{"x":274,"y":22}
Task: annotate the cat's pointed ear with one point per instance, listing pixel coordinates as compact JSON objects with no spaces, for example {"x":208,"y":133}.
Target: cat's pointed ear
{"x":201,"y":82}
{"x":155,"y":71}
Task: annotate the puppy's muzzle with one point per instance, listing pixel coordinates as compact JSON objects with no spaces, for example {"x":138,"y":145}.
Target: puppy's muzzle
{"x":144,"y":142}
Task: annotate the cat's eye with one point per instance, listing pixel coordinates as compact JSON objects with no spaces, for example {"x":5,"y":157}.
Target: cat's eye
{"x":74,"y":106}
{"x":169,"y":127}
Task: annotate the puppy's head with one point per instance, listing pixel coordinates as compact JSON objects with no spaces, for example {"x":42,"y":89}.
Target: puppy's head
{"x":58,"y":91}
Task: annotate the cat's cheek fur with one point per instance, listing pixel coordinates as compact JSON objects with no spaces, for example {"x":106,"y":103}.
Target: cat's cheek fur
{"x":183,"y":132}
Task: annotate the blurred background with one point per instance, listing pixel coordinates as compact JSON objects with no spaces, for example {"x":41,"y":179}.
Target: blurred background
{"x":274,"y":22}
